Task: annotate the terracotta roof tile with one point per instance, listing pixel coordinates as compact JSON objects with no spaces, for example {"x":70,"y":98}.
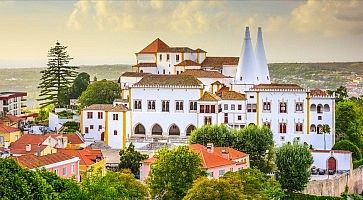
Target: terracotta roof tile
{"x":200,"y":73}
{"x":187,"y":63}
{"x":278,"y":86}
{"x":134,"y":74}
{"x":7,"y":129}
{"x":216,"y":83}
{"x":107,"y":107}
{"x":318,"y":92}
{"x":233,"y":153}
{"x":168,"y":80}
{"x":19,"y":146}
{"x":224,"y":88}
{"x":154,"y":46}
{"x":74,"y":138}
{"x":31,"y":161}
{"x":87,"y":156}
{"x":207,"y":96}
{"x":231,"y":95}
{"x":218,"y":62}
{"x":178,"y":50}
{"x":145,"y":65}
{"x":210,"y":159}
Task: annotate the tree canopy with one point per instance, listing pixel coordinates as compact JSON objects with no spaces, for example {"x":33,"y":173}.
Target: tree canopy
{"x":100,"y":92}
{"x":219,"y":135}
{"x":173,"y":173}
{"x":57,"y":78}
{"x":131,"y":159}
{"x":348,"y":146}
{"x":293,"y":163}
{"x":79,"y":85}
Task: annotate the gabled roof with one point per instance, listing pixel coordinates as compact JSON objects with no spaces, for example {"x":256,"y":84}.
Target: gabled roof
{"x":207,"y":96}
{"x":145,"y":65}
{"x":32,"y":161}
{"x":7,"y":129}
{"x":209,"y":159}
{"x":278,"y":86}
{"x":87,"y":155}
{"x":233,"y":153}
{"x":224,"y":88}
{"x":155,"y":46}
{"x":231,"y":95}
{"x":218,"y":62}
{"x":168,"y":80}
{"x":200,"y":73}
{"x":134,"y":74}
{"x":19,"y":146}
{"x":107,"y":107}
{"x":74,"y":138}
{"x":187,"y":63}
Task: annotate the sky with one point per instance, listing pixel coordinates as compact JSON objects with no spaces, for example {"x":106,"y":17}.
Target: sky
{"x":111,"y":32}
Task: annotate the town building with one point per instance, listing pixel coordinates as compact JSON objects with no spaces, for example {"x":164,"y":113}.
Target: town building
{"x":8,"y":135}
{"x":216,"y":160}
{"x":12,"y":103}
{"x":60,"y":116}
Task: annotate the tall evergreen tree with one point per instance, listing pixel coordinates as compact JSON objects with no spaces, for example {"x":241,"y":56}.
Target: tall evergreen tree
{"x":57,"y":78}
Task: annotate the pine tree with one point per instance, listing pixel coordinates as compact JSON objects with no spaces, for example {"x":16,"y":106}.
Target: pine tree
{"x":57,"y":78}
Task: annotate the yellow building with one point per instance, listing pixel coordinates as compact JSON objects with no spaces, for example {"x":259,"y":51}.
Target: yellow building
{"x":8,"y":134}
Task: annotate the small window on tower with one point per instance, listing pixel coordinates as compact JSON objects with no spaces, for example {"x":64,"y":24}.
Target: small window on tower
{"x":268,"y":78}
{"x":241,"y":78}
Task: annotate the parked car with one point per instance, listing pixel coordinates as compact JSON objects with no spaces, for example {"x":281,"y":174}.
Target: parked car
{"x":314,"y":170}
{"x":331,"y":171}
{"x":322,"y":171}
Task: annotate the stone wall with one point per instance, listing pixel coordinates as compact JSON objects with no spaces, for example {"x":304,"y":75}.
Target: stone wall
{"x":336,"y":185}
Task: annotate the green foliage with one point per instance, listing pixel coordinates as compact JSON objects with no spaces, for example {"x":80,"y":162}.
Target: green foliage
{"x":212,"y":189}
{"x":70,"y":127}
{"x":79,"y":85}
{"x":65,"y":114}
{"x":293,"y":162}
{"x":341,"y":93}
{"x":43,"y":114}
{"x":357,"y":163}
{"x":131,"y":159}
{"x":348,"y":124}
{"x":100,"y":92}
{"x":219,"y":135}
{"x":258,"y":143}
{"x":349,"y":146}
{"x":113,"y":185}
{"x":173,"y":173}
{"x":57,"y":78}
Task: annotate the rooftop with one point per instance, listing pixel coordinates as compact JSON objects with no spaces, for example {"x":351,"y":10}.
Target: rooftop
{"x":231,"y":95}
{"x":107,"y":107}
{"x":87,"y":155}
{"x":187,"y":63}
{"x":200,"y":73}
{"x":207,"y":96}
{"x":218,"y":62}
{"x":209,"y":159}
{"x":278,"y":86}
{"x":169,"y":80}
{"x":31,"y":161}
{"x":145,"y":65}
{"x":19,"y":146}
{"x":134,"y":74}
{"x":233,"y":153}
{"x":154,"y":46}
{"x":7,"y":129}
{"x":8,"y":95}
{"x":318,"y":92}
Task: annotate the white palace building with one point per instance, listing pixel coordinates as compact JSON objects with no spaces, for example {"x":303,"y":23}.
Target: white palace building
{"x":173,"y":90}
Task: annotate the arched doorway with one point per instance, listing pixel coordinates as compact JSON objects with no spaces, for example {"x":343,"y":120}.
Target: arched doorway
{"x":156,"y":130}
{"x":174,"y":130}
{"x":190,"y":129}
{"x":332,"y":164}
{"x":140,"y":129}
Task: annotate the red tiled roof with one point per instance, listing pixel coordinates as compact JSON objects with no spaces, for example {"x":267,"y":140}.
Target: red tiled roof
{"x":145,"y":65}
{"x":318,"y":92}
{"x":14,"y":118}
{"x":187,"y":63}
{"x":277,"y":86}
{"x":233,"y":153}
{"x":87,"y":156}
{"x":217,"y":62}
{"x":200,"y":73}
{"x":154,"y":46}
{"x":74,"y":138}
{"x":19,"y":146}
{"x":169,"y":80}
{"x":231,"y":95}
{"x":7,"y":129}
{"x":223,"y":89}
{"x":207,"y":96}
{"x":134,"y":74}
{"x":32,"y":161}
{"x":209,"y":159}
{"x":149,"y":160}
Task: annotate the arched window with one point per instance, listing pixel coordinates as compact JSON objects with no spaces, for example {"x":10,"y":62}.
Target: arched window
{"x":313,"y":107}
{"x":190,"y":129}
{"x":313,"y":128}
{"x":326,"y":108}
{"x":140,"y":129}
{"x":174,"y":130}
{"x":141,"y":71}
{"x":319,"y":108}
{"x":157,"y":130}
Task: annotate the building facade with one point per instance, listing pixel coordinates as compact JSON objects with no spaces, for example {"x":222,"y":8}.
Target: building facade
{"x":12,"y":103}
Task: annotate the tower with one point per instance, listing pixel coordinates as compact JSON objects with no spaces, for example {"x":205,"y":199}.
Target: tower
{"x":261,"y":63}
{"x":247,"y":73}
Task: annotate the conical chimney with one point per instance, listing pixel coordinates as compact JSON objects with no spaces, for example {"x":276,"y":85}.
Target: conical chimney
{"x":261,"y":63}
{"x":246,"y":70}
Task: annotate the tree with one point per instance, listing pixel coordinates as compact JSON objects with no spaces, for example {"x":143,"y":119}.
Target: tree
{"x":131,"y":159}
{"x":79,"y":85}
{"x":173,"y":173}
{"x":100,"y":92}
{"x":219,"y":135}
{"x":348,"y":146}
{"x":325,"y":129}
{"x":57,"y":78}
{"x":341,"y":93}
{"x":211,"y":189}
{"x":113,"y":185}
{"x":347,"y":123}
{"x":259,"y":144}
{"x":293,"y":163}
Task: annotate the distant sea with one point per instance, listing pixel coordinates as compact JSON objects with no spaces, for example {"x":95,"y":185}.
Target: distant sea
{"x":27,"y":79}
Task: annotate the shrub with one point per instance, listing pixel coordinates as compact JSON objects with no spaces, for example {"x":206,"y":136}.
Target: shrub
{"x":357,"y":163}
{"x":299,"y":196}
{"x":348,"y":146}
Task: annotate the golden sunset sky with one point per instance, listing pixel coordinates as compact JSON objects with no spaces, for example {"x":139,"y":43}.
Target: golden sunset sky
{"x":105,"y":32}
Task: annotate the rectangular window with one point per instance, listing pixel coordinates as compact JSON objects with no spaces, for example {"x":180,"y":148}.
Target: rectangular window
{"x":100,"y":115}
{"x":90,"y":126}
{"x":201,"y":109}
{"x":167,"y":57}
{"x":239,"y":107}
{"x":299,"y":106}
{"x":282,"y":128}
{"x":64,"y":171}
{"x":177,"y":57}
{"x":207,"y":108}
{"x":160,"y":57}
{"x":86,"y":130}
{"x":266,"y":106}
{"x":283,"y":107}
{"x":251,"y":107}
{"x":239,"y":117}
{"x":73,"y":169}
{"x":225,"y":106}
{"x":212,"y":108}
{"x":226,"y":118}
{"x":193,"y":106}
{"x":233,"y":107}
{"x":115,"y":116}
{"x":221,"y":172}
{"x":252,"y":97}
{"x":151,"y":105}
{"x":165,"y":106}
{"x":56,"y":171}
{"x":219,"y":108}
{"x":137,"y":104}
{"x":207,"y":120}
{"x":89,"y":115}
{"x":320,"y":117}
{"x":115,"y":132}
{"x":99,"y":127}
{"x":179,"y":105}
{"x":211,"y":175}
{"x":298,"y":127}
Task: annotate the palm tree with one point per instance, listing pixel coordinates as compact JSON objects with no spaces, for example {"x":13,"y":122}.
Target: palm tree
{"x":325,"y":129}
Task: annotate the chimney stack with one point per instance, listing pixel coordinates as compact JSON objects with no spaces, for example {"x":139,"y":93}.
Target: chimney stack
{"x":28,"y":147}
{"x":210,"y":147}
{"x":261,"y":63}
{"x":225,"y":154}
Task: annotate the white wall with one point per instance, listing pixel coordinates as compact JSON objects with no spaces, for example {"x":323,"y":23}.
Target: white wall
{"x":344,"y":160}
{"x":95,"y":133}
